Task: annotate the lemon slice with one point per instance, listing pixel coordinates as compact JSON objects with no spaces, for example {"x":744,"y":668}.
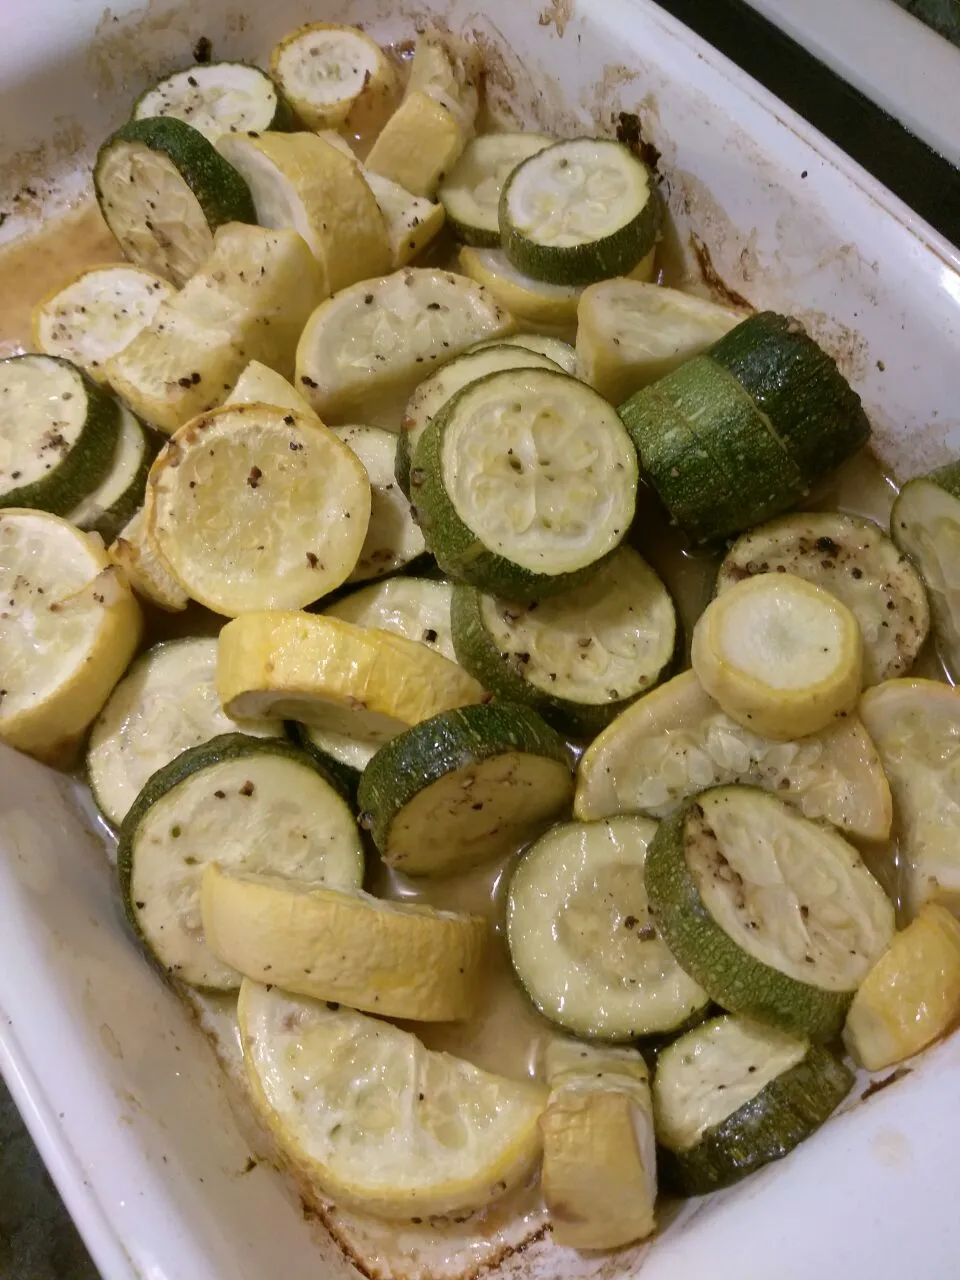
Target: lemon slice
{"x":256,"y":508}
{"x":782,"y":656}
{"x":915,"y":725}
{"x":376,"y":1121}
{"x":297,"y":180}
{"x":68,"y":628}
{"x":98,"y":313}
{"x":335,"y":76}
{"x":599,"y":1152}
{"x":136,"y":553}
{"x":259,"y":384}
{"x":367,"y":684}
{"x":395,"y":959}
{"x":911,"y":996}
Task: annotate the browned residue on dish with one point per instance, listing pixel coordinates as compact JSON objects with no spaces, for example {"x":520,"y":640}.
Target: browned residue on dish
{"x":875,"y":1086}
{"x":557,"y":14}
{"x":630,"y":133}
{"x":712,"y":278}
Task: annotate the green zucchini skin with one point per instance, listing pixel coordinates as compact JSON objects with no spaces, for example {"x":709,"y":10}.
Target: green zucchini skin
{"x":87,"y":463}
{"x":731,"y":977}
{"x":112,"y":521}
{"x":798,"y":386}
{"x":219,"y":189}
{"x":784,"y":1113}
{"x":478,"y":654}
{"x":447,"y":742}
{"x":582,"y":264}
{"x":342,"y":777}
{"x":709,"y":452}
{"x":402,"y":463}
{"x":228,"y":746}
{"x":453,"y":544}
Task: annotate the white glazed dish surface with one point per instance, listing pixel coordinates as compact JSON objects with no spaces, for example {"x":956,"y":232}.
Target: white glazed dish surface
{"x":120,"y":1090}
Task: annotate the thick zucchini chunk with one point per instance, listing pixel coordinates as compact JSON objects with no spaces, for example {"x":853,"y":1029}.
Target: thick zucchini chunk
{"x":582,"y":940}
{"x":524,"y":483}
{"x":853,"y":560}
{"x":58,"y":434}
{"x":579,"y":658}
{"x":777,"y":917}
{"x":732,"y":1095}
{"x":335,"y":77}
{"x":259,"y":804}
{"x":578,"y":211}
{"x":163,"y":190}
{"x":464,"y":786}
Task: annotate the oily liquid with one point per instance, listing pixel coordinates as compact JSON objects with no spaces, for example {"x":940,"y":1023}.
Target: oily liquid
{"x":506,"y":1035}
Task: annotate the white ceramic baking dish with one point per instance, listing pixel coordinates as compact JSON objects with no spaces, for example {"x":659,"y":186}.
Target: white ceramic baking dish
{"x":119,"y":1088}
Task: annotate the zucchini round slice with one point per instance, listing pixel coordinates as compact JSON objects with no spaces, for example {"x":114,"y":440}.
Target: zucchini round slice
{"x":599,"y":1174}
{"x":580,"y":658}
{"x":393,"y":536}
{"x":217,"y":98}
{"x":335,"y":77}
{"x":415,"y":608}
{"x":394,"y":959}
{"x":471,"y":193}
{"x":297,"y":180}
{"x":146,"y":570}
{"x":710,"y":453}
{"x":911,"y":996}
{"x":381,"y":337}
{"x":777,"y":917}
{"x":58,"y":434}
{"x":435,"y":1136}
{"x":434,"y":392}
{"x":98,"y":314}
{"x":915,"y":725}
{"x":163,"y":190}
{"x":629,"y":333}
{"x":854,"y":561}
{"x":732,"y":1095}
{"x":365,"y":683}
{"x":781,"y":656}
{"x":925,"y":524}
{"x":676,"y":740}
{"x":255,"y":508}
{"x":256,"y":804}
{"x":813,"y":409}
{"x":561,"y":353}
{"x":582,"y":940}
{"x":524,"y":482}
{"x":166,"y":703}
{"x":117,"y":498}
{"x":463,"y":787}
{"x":534,"y":302}
{"x":69,"y":626}
{"x":581,"y":210}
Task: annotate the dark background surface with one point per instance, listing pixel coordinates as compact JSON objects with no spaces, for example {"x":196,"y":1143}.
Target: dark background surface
{"x":37,"y":1239}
